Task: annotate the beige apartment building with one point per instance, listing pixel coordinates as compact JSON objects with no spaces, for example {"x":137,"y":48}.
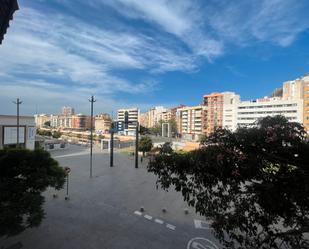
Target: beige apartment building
{"x":305,"y":80}
{"x":103,"y":123}
{"x":191,"y":119}
{"x":41,"y":120}
{"x":298,"y":89}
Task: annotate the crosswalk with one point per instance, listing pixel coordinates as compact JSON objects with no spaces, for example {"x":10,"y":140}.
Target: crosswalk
{"x":155,"y":220}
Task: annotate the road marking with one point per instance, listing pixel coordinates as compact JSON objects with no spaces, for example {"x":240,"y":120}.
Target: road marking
{"x":138,"y":213}
{"x":73,"y":154}
{"x":199,"y":243}
{"x":199,"y":224}
{"x":159,"y":221}
{"x":170,"y":226}
{"x":148,"y":217}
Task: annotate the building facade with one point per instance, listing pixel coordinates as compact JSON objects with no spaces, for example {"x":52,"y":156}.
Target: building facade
{"x":305,"y":80}
{"x":81,"y":122}
{"x":218,"y":111}
{"x":41,"y":120}
{"x":103,"y":123}
{"x":248,"y":112}
{"x":68,"y":111}
{"x":191,"y":120}
{"x":127,"y":120}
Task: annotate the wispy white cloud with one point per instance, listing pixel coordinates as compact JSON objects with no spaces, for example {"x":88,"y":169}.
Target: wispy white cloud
{"x":182,"y":18}
{"x":80,"y":57}
{"x":247,"y":22}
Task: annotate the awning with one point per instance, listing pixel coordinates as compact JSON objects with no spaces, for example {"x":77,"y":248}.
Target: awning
{"x":7,"y":9}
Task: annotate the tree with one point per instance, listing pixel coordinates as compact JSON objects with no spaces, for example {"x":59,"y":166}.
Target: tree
{"x":43,"y":132}
{"x":144,"y":130}
{"x":252,"y":184}
{"x":24,"y":176}
{"x":166,"y":148}
{"x":47,"y":123}
{"x":203,"y":139}
{"x":145,"y":144}
{"x":57,"y":134}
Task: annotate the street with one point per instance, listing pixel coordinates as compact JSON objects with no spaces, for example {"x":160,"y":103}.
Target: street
{"x":105,"y":211}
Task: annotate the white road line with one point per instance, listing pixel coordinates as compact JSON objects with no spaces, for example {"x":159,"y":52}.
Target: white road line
{"x":73,"y":154}
{"x":148,"y":217}
{"x":170,"y":226}
{"x":138,"y":213}
{"x":159,"y":221}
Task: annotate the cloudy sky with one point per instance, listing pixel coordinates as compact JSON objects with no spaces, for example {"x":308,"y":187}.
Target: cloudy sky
{"x":151,"y":52}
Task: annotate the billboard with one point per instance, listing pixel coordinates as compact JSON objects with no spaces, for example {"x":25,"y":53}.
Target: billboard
{"x":10,"y":135}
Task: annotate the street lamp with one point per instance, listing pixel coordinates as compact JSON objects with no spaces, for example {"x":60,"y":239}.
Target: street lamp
{"x":116,"y":124}
{"x":17,"y":103}
{"x":92,"y":100}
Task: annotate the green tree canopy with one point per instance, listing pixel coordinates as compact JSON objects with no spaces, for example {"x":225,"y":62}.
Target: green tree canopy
{"x":57,"y":134}
{"x":145,"y":144}
{"x":47,"y":123}
{"x":43,"y":132}
{"x":203,"y":139}
{"x":252,"y":184}
{"x":24,"y":176}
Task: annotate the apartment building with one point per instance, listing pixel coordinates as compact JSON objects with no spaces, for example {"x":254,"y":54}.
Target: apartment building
{"x":103,"y":123}
{"x":305,"y":80}
{"x":81,"y":122}
{"x":248,"y":112}
{"x":154,"y":115}
{"x":41,"y":120}
{"x":61,"y":121}
{"x":68,"y":110}
{"x":127,"y":120}
{"x":230,"y":103}
{"x":191,"y":118}
{"x":293,"y":89}
{"x":219,"y":111}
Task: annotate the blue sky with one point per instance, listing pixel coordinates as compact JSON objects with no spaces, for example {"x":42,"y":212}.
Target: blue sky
{"x":151,"y":52}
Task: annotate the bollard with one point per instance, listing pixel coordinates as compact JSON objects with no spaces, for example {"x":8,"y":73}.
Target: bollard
{"x":142,"y":209}
{"x":164,"y":210}
{"x":186,"y":211}
{"x":55,"y":195}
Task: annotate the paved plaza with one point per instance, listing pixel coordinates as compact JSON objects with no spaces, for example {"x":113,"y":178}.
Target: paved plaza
{"x":103,"y":212}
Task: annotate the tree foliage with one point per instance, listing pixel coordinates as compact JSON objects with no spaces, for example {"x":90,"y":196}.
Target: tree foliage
{"x":57,"y":134}
{"x":252,"y":184}
{"x":203,"y":139}
{"x":43,"y":132}
{"x":24,"y":176}
{"x":145,"y":144}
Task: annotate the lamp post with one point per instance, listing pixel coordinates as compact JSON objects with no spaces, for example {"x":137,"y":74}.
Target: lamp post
{"x":92,"y":100}
{"x":111,"y":146}
{"x":17,"y":103}
{"x":136,"y":145}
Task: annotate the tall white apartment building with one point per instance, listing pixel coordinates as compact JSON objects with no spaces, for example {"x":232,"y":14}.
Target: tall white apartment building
{"x":230,"y":103}
{"x":131,"y":116}
{"x":248,"y":112}
{"x":191,"y":118}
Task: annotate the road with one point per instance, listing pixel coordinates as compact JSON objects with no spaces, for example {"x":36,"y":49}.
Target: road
{"x":104,"y":211}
